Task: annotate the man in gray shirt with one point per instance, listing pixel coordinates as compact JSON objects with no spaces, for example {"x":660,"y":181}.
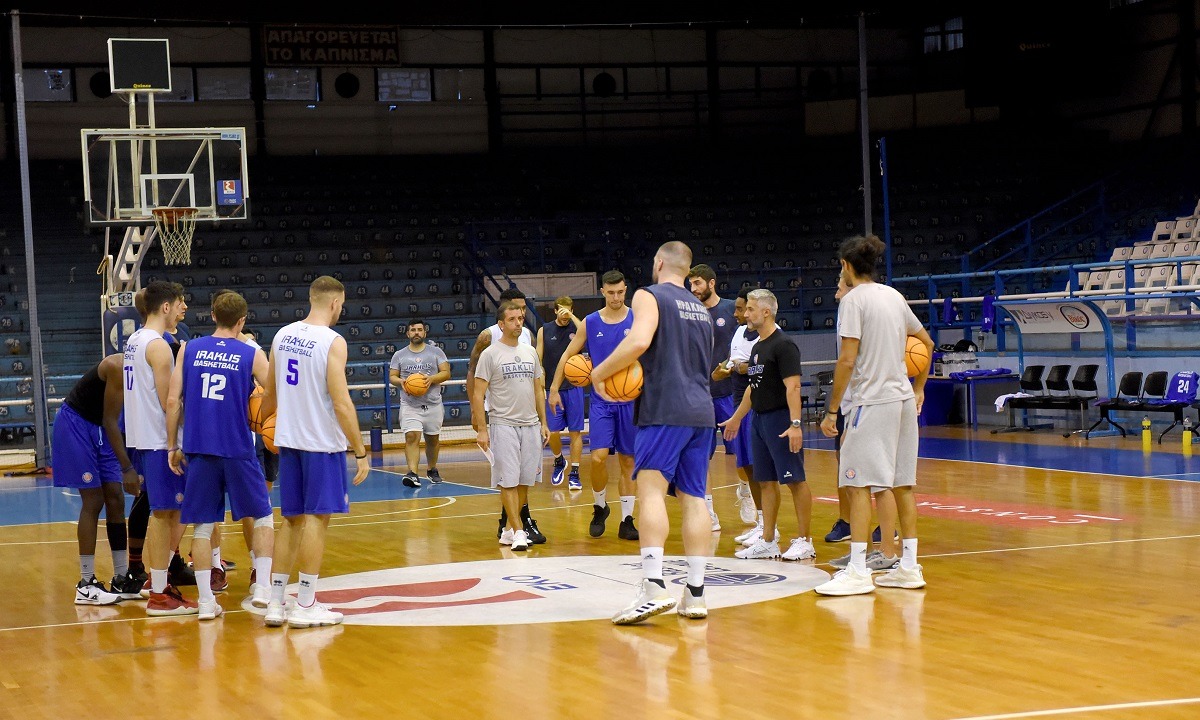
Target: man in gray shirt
{"x":420,"y":402}
{"x":511,"y":376}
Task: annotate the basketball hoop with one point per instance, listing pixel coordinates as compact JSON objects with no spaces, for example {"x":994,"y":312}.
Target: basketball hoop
{"x":175,"y":227}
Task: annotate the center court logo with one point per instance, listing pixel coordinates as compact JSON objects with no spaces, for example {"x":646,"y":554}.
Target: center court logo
{"x":524,"y":590}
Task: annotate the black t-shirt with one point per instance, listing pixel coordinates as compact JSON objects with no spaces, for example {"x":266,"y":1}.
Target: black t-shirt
{"x":771,"y":361}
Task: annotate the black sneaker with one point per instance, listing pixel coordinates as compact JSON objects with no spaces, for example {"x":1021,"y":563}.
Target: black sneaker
{"x":411,"y":480}
{"x":138,"y":572}
{"x":627,"y":531}
{"x":127,"y":586}
{"x":599,"y":515}
{"x":179,"y":573}
{"x":531,"y":529}
{"x":877,"y":535}
{"x":435,"y":477}
{"x":503,"y":522}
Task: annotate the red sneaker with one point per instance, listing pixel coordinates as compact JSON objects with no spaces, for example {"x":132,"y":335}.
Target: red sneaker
{"x":218,"y":581}
{"x":170,"y":602}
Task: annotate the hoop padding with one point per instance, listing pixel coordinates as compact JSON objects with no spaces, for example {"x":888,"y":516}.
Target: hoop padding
{"x":175,"y":226}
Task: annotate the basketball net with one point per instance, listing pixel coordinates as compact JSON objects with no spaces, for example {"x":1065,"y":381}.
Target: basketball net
{"x":175,"y":226}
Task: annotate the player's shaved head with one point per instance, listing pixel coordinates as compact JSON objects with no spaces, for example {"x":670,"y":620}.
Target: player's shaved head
{"x":676,"y":257}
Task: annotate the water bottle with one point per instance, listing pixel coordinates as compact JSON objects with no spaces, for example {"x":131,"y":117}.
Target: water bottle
{"x":1187,"y":437}
{"x":1147,"y":436}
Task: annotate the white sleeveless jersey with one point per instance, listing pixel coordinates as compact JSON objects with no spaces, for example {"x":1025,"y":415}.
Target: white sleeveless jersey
{"x":145,"y":419}
{"x":525,"y":339}
{"x":305,"y":419}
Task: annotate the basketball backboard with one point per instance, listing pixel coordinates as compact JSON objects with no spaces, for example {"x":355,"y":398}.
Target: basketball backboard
{"x":129,"y":172}
{"x":139,"y":65}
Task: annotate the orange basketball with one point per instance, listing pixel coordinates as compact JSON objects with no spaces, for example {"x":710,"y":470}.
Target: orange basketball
{"x":578,"y":370}
{"x":625,"y":384}
{"x":916,"y":357}
{"x":268,"y":434}
{"x":416,"y":384}
{"x":255,"y":408}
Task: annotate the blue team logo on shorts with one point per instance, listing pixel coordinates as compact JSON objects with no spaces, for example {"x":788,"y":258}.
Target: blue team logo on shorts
{"x":851,"y":474}
{"x":88,"y":477}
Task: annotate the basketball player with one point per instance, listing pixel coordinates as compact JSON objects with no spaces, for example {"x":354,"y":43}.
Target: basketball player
{"x":880,"y":444}
{"x":612,"y":425}
{"x":749,"y":493}
{"x":315,"y":421}
{"x":148,"y":364}
{"x":672,"y":333}
{"x":89,"y":456}
{"x":516,"y":430}
{"x":883,"y":557}
{"x":488,"y":337}
{"x":703,"y":283}
{"x":552,"y":341}
{"x":420,"y":413}
{"x":776,"y":437}
{"x":209,"y":391}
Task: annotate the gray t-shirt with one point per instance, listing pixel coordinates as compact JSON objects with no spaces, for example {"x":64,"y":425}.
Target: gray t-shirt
{"x":425,"y":362}
{"x":511,"y":374}
{"x":881,"y":320}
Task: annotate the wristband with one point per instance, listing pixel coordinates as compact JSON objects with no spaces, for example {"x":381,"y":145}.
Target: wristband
{"x":360,"y":457}
{"x":831,"y":414}
{"x":171,"y":450}
{"x":126,"y":469}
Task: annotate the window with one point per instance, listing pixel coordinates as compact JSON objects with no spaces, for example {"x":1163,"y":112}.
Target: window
{"x":48,"y":85}
{"x":183,"y":88}
{"x":223,"y":83}
{"x":293,"y":84}
{"x":407,"y":85}
{"x":945,"y":37}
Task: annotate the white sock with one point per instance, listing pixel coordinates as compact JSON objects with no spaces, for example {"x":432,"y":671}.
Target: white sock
{"x":600,"y":497}
{"x":708,"y":502}
{"x":216,"y":557}
{"x":696,"y":564}
{"x":87,"y":567}
{"x":760,"y":520}
{"x":908,"y":553}
{"x":278,"y":587}
{"x":158,"y":580}
{"x":262,"y":568}
{"x":252,"y":556}
{"x":308,"y":590}
{"x":627,"y":502}
{"x":858,"y":557}
{"x":120,"y":562}
{"x":652,"y":558}
{"x":204,"y":585}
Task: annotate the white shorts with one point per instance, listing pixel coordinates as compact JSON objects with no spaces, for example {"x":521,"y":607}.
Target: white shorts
{"x":517,"y":453}
{"x":422,"y":418}
{"x":879,"y":446}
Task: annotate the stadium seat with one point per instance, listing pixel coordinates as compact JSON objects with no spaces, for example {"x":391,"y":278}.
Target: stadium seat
{"x":1129,"y":393}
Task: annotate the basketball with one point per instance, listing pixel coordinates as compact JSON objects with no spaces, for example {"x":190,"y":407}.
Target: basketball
{"x":255,"y":407}
{"x":625,"y":384}
{"x":916,"y":356}
{"x":578,"y":370}
{"x":268,"y":434}
{"x":416,"y":384}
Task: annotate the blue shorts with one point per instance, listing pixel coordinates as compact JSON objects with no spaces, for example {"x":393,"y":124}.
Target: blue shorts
{"x":83,"y":457}
{"x":210,"y":477}
{"x":741,"y":443}
{"x":570,"y":417}
{"x":313,"y":483}
{"x":164,"y":489}
{"x":611,"y":426}
{"x":772,"y":459}
{"x":679,"y":453}
{"x":723,"y":408}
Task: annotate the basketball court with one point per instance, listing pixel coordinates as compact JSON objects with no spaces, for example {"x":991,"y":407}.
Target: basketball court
{"x":1059,"y":584}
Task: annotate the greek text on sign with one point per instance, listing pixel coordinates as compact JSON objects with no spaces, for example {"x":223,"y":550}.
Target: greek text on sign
{"x":331,"y":45}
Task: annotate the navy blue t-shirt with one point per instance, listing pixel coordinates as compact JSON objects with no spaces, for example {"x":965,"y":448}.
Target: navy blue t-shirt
{"x":677,"y":364}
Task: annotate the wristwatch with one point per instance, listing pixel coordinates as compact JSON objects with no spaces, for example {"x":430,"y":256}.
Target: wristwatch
{"x":797,"y":423}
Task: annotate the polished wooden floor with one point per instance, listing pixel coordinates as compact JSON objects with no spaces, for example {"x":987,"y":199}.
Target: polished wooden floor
{"x":1091,"y":613}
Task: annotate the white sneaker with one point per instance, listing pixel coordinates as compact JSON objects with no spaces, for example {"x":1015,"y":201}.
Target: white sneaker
{"x":761,"y":550}
{"x":210,"y":610}
{"x":651,"y":600}
{"x":801,"y":549}
{"x":260,"y":595}
{"x":745,"y":502}
{"x":276,"y":614}
{"x":691,"y":606}
{"x":314,"y":615}
{"x":520,"y":540}
{"x":901,"y":578}
{"x":93,"y":592}
{"x":847,"y":582}
{"x":716,"y":521}
{"x":752,"y":534}
{"x":758,"y":536}
{"x":506,"y":537}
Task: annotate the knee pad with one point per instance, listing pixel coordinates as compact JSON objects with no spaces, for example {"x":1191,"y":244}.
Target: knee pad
{"x":204,"y":531}
{"x":267,"y":521}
